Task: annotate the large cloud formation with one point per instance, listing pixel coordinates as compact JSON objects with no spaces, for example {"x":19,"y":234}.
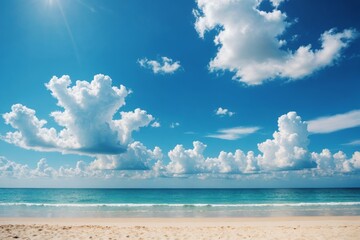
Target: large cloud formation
{"x":286,"y":151}
{"x":89,"y":126}
{"x":288,"y":148}
{"x":87,"y":121}
{"x":250,"y":41}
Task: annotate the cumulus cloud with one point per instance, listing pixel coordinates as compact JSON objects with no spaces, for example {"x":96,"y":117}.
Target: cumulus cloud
{"x":165,"y":65}
{"x":192,"y":161}
{"x":87,"y":121}
{"x":81,"y":169}
{"x":233,"y":133}
{"x":31,"y":133}
{"x":137,"y":157}
{"x":335,"y":123}
{"x":186,"y":160}
{"x":250,"y":42}
{"x":155,"y":124}
{"x":131,"y":121}
{"x":43,"y":169}
{"x":305,"y":61}
{"x":288,"y":148}
{"x":355,"y":160}
{"x":330,"y":164}
{"x":233,"y":163}
{"x":286,"y":151}
{"x":223,"y":112}
{"x":276,"y":3}
{"x":12,"y":169}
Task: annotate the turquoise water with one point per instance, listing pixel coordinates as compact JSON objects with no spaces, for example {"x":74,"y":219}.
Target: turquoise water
{"x":178,"y":202}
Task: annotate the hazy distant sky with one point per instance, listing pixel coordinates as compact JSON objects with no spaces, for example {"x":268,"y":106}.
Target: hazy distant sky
{"x":217,"y":93}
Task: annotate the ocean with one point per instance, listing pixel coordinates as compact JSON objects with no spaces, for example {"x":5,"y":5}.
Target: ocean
{"x":178,"y":202}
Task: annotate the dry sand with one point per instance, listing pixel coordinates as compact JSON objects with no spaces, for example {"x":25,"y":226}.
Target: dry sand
{"x":182,"y":228}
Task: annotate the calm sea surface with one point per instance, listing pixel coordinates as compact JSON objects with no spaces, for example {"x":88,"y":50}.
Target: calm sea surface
{"x":178,"y":202}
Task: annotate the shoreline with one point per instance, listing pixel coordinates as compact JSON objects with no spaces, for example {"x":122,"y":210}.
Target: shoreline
{"x":173,"y":220}
{"x":299,"y":227}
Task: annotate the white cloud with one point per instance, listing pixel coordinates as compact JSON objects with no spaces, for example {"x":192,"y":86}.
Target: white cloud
{"x":129,"y":122}
{"x":87,"y":121}
{"x":329,"y":164}
{"x":31,"y":133}
{"x":250,"y":42}
{"x":11,"y":169}
{"x":287,"y":151}
{"x":335,"y":123}
{"x":137,"y":157}
{"x":223,"y":112}
{"x":192,"y":161}
{"x":43,"y":170}
{"x":233,"y":133}
{"x":174,"y":125}
{"x":276,"y":3}
{"x":155,"y":124}
{"x":305,"y":61}
{"x":186,"y":161}
{"x":165,"y":65}
{"x":81,"y":169}
{"x":353,"y":143}
{"x":355,"y":160}
{"x":288,"y":148}
{"x":234,"y":163}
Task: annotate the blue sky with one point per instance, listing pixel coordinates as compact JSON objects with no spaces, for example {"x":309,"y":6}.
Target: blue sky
{"x":214,"y":93}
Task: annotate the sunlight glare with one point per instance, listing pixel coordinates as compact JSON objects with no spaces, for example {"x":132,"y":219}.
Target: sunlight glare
{"x":50,"y":3}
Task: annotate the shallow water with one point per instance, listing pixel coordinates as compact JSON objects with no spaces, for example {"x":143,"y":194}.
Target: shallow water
{"x":178,"y":202}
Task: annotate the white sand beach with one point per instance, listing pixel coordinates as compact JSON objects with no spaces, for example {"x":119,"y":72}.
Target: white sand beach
{"x":182,"y":228}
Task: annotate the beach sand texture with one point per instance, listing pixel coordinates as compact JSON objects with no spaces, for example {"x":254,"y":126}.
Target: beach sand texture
{"x":182,"y":228}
